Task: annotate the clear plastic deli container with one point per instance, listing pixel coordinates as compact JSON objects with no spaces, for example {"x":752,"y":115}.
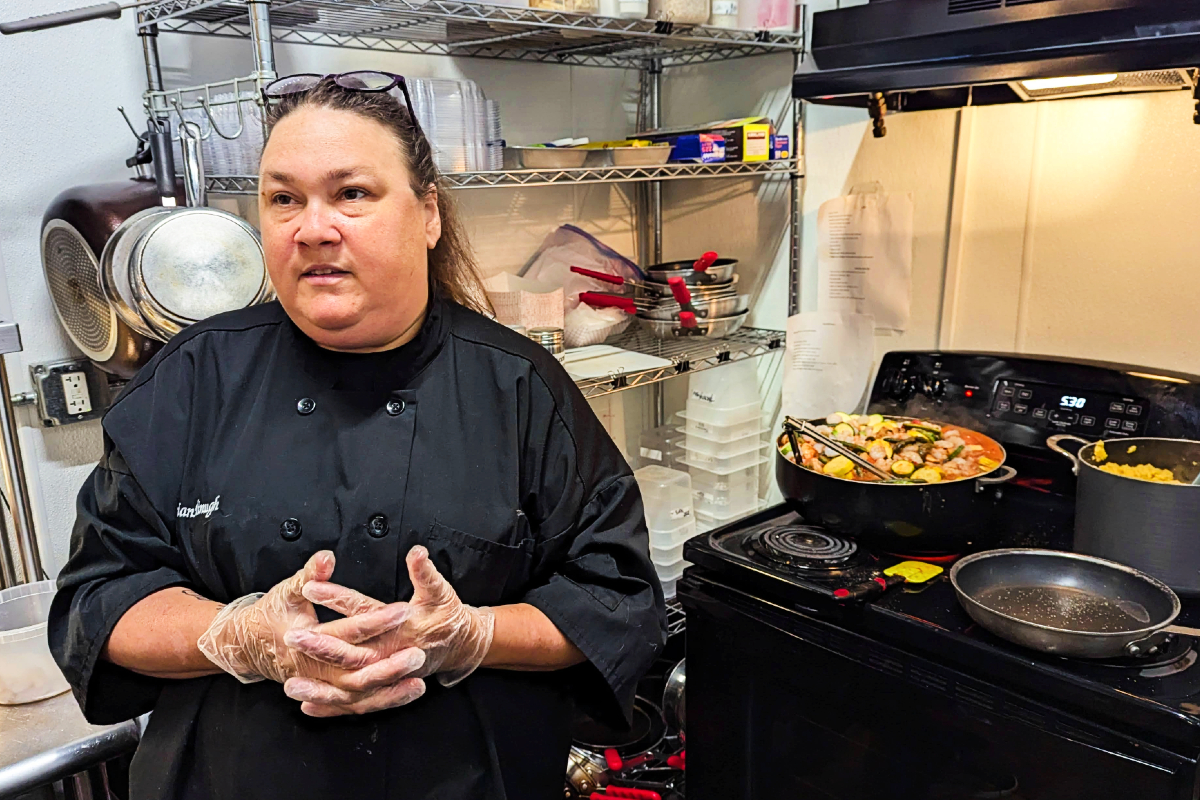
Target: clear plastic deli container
{"x":27,"y":670}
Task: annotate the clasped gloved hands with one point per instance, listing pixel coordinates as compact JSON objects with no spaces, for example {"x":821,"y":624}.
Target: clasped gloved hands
{"x":374,"y":658}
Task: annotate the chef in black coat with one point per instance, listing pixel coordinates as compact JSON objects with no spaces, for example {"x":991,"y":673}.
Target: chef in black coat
{"x":363,"y":542}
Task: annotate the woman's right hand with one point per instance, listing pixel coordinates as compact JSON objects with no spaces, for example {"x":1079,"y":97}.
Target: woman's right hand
{"x":246,"y":639}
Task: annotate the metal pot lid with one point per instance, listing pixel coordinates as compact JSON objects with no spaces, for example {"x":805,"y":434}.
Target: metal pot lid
{"x":195,"y":263}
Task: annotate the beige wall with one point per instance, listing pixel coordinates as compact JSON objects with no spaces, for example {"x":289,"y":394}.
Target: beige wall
{"x":1061,"y":228}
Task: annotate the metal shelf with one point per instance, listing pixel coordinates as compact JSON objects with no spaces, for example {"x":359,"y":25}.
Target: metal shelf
{"x":676,"y":618}
{"x":439,"y":27}
{"x":248,"y":184}
{"x":686,"y":355}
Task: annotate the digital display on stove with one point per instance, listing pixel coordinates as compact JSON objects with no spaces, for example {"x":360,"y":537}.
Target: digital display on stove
{"x":1056,"y":407}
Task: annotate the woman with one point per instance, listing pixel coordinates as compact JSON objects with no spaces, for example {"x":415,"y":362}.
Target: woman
{"x":452,"y":551}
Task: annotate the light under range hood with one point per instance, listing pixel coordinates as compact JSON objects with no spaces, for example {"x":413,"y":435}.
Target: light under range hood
{"x":924,"y":54}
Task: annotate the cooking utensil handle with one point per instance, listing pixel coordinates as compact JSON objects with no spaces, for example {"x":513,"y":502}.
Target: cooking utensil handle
{"x":163,"y":160}
{"x":613,"y":759}
{"x":861,"y":591}
{"x":680,"y":290}
{"x":1003,"y":475}
{"x":1053,"y":444}
{"x":630,"y":792}
{"x":601,"y":300}
{"x":193,"y":165}
{"x":60,"y":18}
{"x":687,"y":320}
{"x":600,"y":276}
{"x":1181,"y":630}
{"x":705,"y":261}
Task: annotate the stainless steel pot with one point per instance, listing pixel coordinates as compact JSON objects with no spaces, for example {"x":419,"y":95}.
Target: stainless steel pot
{"x":1067,"y":604}
{"x":1153,"y":527}
{"x":715,"y":328}
{"x":587,"y":771}
{"x":727,"y":306}
{"x":674,"y":710}
{"x":166,"y":268}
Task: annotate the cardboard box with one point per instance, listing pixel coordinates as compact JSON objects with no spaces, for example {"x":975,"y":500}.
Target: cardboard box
{"x":703,"y":148}
{"x":747,"y":139}
{"x":780,"y":147}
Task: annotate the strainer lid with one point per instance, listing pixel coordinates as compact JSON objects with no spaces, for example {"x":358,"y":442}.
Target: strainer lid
{"x":198,"y":262}
{"x":73,"y":276}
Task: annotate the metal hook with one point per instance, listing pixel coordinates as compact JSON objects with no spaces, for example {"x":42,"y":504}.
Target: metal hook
{"x":177,"y":102}
{"x":132,"y":129}
{"x":237,"y":96}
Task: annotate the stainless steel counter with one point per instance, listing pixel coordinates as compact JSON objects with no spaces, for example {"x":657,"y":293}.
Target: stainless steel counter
{"x":46,"y":741}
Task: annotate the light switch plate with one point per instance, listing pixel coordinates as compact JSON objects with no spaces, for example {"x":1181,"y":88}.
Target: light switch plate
{"x":70,"y":391}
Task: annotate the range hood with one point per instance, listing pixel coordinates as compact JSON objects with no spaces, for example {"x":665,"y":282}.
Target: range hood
{"x":923,"y":54}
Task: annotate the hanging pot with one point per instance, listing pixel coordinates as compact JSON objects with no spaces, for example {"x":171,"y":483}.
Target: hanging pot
{"x":75,"y":228}
{"x":166,"y":269}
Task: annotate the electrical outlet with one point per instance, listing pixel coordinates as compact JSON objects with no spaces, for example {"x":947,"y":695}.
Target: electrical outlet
{"x":70,"y":391}
{"x":75,"y":391}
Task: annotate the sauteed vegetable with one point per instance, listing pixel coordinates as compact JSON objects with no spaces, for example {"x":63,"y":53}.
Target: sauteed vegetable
{"x":912,"y":450}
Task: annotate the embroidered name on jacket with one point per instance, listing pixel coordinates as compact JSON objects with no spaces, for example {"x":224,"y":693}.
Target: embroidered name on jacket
{"x":199,"y":510}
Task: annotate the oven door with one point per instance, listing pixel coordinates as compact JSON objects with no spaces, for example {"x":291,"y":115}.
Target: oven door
{"x":782,"y":706}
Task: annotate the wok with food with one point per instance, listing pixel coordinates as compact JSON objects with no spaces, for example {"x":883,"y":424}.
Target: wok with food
{"x":910,"y":450}
{"x":1135,"y":504}
{"x":943,"y":505}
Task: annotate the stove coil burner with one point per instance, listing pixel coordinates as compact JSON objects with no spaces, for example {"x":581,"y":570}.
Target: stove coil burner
{"x":804,"y":547}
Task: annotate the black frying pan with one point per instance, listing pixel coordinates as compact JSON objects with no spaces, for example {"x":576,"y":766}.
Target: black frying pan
{"x":1067,"y":604}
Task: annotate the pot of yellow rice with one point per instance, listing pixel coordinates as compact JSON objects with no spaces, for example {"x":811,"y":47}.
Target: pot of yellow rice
{"x":1136,"y":505}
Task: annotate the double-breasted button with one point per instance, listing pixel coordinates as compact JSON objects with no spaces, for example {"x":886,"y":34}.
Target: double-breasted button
{"x":395,"y":407}
{"x":305,"y":406}
{"x":377,"y":526}
{"x":290,"y":529}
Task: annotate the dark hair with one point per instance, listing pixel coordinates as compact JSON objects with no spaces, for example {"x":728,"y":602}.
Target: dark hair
{"x":453,"y":273}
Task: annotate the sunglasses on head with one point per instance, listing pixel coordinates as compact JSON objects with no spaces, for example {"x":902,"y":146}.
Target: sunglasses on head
{"x":359,"y":81}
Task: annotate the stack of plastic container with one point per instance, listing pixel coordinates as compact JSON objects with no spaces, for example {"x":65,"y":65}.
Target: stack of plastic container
{"x":667,"y":497}
{"x":723,"y":445}
{"x":456,"y":118}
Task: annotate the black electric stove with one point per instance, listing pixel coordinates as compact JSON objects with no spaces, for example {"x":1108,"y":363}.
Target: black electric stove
{"x":795,"y":693}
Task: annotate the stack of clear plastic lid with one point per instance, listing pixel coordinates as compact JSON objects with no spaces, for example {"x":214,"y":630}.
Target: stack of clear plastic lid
{"x":667,"y":497}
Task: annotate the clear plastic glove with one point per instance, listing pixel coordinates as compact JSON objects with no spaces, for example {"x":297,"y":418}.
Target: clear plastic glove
{"x":454,"y":636}
{"x":249,"y":640}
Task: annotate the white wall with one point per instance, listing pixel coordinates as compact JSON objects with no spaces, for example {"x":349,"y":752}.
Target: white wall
{"x":62,"y":129}
{"x":59,"y":127}
{"x":1061,"y":228}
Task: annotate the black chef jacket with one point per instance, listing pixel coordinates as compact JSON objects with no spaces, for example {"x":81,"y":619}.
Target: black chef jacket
{"x":243,"y":448}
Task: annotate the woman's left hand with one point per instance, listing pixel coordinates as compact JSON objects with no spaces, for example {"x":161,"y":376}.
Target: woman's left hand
{"x":454,"y":636}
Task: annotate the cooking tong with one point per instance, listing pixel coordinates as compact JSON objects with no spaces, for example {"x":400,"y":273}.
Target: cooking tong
{"x":793,"y":425}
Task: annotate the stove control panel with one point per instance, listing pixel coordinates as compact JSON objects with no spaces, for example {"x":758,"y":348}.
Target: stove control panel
{"x":1022,"y":400}
{"x":1059,"y":408}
